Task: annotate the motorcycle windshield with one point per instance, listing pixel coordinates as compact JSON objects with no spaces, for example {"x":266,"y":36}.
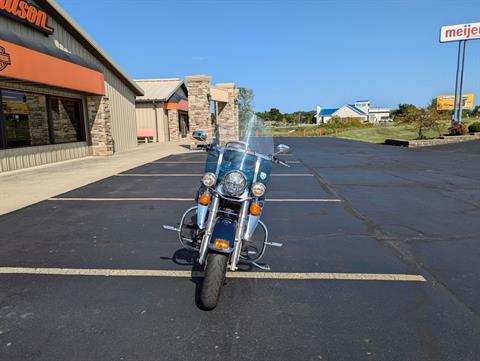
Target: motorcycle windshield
{"x":251,"y":154}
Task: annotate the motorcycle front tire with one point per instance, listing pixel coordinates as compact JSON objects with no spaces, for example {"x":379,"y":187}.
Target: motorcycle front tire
{"x":215,"y":271}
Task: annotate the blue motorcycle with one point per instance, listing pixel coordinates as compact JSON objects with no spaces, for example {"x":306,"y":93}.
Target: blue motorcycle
{"x":230,"y":202}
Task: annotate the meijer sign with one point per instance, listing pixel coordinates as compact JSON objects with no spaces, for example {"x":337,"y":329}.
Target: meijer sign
{"x":460,"y":32}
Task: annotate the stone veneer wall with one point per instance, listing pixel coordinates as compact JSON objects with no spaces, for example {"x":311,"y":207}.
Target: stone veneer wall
{"x":432,"y":142}
{"x":63,"y":129}
{"x":37,"y":118}
{"x":99,"y":125}
{"x":173,"y":122}
{"x":227,"y":121}
{"x":199,"y":114}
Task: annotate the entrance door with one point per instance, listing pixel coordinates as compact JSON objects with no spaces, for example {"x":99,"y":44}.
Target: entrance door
{"x":183,"y":126}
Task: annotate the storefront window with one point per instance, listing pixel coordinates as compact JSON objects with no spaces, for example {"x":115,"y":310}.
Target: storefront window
{"x":28,"y":121}
{"x":25,"y":119}
{"x":67,"y":120}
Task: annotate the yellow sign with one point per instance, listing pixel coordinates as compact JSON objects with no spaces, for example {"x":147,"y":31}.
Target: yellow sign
{"x":447,"y":102}
{"x":14,"y":107}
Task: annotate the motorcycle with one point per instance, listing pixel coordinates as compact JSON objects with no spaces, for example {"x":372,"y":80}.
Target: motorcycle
{"x":230,"y":202}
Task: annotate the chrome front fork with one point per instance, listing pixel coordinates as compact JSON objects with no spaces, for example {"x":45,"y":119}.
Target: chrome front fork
{"x":209,"y":229}
{"x":239,"y":232}
{"x":239,"y":235}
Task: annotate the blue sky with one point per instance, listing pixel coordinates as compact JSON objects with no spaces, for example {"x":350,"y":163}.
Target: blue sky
{"x":293,"y":54}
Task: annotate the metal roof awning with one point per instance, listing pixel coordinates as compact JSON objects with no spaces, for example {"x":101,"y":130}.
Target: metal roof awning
{"x":70,"y":25}
{"x":160,"y":90}
{"x":50,"y":68}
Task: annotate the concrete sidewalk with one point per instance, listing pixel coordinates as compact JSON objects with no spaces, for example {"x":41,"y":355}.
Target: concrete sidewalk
{"x":24,"y":187}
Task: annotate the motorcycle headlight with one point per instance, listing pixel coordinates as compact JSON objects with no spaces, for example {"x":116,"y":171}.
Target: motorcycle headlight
{"x":209,"y":180}
{"x":234,"y":183}
{"x":258,"y":189}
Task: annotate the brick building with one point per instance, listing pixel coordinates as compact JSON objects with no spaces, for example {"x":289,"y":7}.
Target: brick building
{"x":162,"y":112}
{"x":61,"y":95}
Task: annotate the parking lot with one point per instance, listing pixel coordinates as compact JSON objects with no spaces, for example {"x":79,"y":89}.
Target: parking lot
{"x":342,"y":209}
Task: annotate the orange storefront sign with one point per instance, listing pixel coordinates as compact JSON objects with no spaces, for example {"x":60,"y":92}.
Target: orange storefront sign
{"x":25,"y":12}
{"x":30,"y":65}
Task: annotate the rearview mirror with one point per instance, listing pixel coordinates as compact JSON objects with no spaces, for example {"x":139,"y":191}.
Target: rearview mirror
{"x":282,"y":148}
{"x":200,"y":135}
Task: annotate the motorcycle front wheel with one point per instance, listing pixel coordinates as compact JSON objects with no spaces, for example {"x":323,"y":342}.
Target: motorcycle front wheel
{"x":215,"y":271}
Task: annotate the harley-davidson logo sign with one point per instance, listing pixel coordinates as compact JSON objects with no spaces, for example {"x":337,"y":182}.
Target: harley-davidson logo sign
{"x":23,"y":11}
{"x":4,"y":58}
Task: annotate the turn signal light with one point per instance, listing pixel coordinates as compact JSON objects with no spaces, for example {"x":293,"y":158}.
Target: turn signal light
{"x":204,"y":199}
{"x":255,"y":209}
{"x":221,"y":244}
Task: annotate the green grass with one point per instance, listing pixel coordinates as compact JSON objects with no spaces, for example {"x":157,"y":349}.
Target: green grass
{"x":381,"y":133}
{"x":371,"y":134}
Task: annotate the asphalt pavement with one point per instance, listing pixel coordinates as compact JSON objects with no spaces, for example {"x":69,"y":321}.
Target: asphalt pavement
{"x":348,"y":208}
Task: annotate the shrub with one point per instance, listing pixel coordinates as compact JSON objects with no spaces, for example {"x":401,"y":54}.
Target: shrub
{"x":353,"y":122}
{"x":336,"y":122}
{"x":474,"y":127}
{"x":457,"y":129}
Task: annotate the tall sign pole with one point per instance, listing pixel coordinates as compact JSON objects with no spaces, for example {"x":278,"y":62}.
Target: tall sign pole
{"x":461,"y":33}
{"x":460,"y":95}
{"x":457,"y":75}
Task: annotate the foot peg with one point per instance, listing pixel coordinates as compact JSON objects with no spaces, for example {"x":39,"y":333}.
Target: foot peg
{"x":274,"y":244}
{"x":263,"y":267}
{"x":171,"y":228}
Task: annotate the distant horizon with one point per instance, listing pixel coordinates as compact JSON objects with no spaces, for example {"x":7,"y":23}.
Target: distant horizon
{"x":294,"y":55}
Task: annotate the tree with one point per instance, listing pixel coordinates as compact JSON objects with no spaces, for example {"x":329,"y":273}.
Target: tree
{"x":273,"y":115}
{"x":421,"y":119}
{"x":402,"y":110}
{"x":475,"y":111}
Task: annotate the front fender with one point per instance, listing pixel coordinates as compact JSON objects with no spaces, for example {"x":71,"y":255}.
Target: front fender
{"x":225,"y":230}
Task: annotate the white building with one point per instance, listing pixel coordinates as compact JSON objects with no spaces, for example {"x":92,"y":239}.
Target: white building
{"x":360,"y":110}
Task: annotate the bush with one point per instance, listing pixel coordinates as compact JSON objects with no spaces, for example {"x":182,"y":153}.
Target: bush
{"x":336,"y":122}
{"x":474,"y":127}
{"x":457,"y":129}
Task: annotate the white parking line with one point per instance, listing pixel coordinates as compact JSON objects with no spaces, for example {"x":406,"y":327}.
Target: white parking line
{"x":120,"y":199}
{"x":89,"y":199}
{"x":188,"y":274}
{"x":158,"y":175}
{"x":303,"y":200}
{"x":202,"y":162}
{"x":292,"y":175}
{"x":199,"y":175}
{"x":179,"y":162}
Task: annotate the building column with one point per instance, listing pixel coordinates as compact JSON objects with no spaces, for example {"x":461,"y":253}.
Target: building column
{"x":173,"y":125}
{"x":199,"y":114}
{"x":228,"y":125}
{"x":100,"y":125}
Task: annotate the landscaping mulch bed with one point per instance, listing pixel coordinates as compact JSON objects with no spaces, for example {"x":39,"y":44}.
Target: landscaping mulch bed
{"x":432,"y":142}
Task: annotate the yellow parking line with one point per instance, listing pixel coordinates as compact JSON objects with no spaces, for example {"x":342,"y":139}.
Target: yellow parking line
{"x":199,"y":175}
{"x":188,"y":274}
{"x":89,"y":199}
